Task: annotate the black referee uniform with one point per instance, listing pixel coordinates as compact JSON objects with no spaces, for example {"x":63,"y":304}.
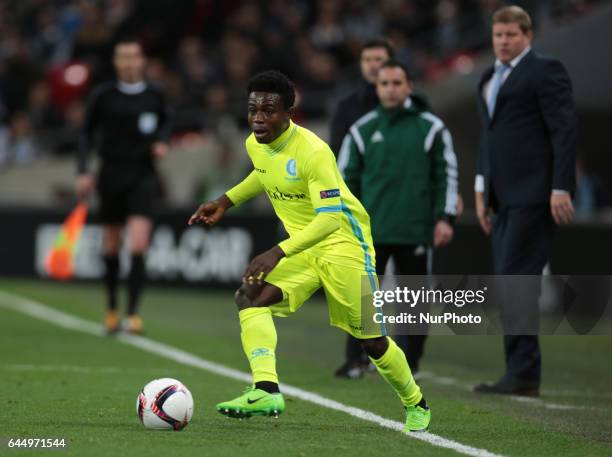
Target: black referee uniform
{"x":123,"y":121}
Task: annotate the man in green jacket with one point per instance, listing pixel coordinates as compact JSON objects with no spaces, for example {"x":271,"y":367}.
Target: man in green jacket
{"x":398,"y":159}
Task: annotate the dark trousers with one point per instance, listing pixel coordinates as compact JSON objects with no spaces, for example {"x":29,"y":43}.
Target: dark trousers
{"x":408,"y":261}
{"x":522,"y":239}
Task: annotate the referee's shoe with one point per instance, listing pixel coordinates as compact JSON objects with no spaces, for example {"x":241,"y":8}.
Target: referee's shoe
{"x":111,"y":322}
{"x":134,"y":324}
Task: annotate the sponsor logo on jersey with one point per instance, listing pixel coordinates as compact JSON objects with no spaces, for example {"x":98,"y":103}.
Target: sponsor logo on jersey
{"x":331,"y":193}
{"x":260,"y":170}
{"x":280,"y":195}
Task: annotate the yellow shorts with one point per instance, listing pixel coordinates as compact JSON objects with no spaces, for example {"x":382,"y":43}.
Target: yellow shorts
{"x":348,"y":292}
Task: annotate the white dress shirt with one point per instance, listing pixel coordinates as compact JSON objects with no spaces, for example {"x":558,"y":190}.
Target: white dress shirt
{"x":486,"y":88}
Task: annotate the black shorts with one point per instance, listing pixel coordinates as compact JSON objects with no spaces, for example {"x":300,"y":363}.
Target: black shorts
{"x":139,"y":199}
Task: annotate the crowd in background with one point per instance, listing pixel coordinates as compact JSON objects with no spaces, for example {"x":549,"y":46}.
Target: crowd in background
{"x":204,"y":51}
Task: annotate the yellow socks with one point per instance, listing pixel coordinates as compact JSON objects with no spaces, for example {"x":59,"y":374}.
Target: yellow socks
{"x":258,"y":336}
{"x":394,"y":368}
{"x":259,"y":343}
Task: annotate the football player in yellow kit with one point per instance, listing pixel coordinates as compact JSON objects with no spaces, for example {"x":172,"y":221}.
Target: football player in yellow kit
{"x":329,"y":246}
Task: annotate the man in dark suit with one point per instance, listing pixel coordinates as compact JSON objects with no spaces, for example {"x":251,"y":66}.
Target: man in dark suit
{"x":373,"y":54}
{"x":526,"y":174}
{"x":363,"y":99}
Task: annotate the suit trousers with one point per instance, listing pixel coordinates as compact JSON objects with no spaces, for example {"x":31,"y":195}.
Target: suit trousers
{"x":522,"y":241}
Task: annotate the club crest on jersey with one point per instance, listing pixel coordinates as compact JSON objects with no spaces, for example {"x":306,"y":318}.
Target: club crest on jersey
{"x":147,"y":122}
{"x":291,"y":169}
{"x":331,"y":193}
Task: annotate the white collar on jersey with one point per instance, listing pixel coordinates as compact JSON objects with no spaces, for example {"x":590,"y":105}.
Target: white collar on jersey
{"x":131,"y":88}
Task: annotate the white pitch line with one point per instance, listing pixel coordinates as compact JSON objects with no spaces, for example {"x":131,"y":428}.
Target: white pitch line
{"x":60,"y":368}
{"x":78,"y":369}
{"x":68,"y":321}
{"x":448,"y":381}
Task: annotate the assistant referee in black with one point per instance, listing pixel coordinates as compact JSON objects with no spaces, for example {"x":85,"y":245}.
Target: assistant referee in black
{"x":127,"y":123}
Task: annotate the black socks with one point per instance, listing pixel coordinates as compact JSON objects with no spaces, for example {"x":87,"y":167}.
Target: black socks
{"x":423,"y":403}
{"x":268,"y":386}
{"x":111,"y":279}
{"x":135,"y":283}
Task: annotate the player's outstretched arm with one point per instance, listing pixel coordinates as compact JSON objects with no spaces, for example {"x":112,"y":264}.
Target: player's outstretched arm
{"x":211,"y":212}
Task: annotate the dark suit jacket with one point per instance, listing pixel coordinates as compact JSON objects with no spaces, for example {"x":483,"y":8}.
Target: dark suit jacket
{"x":528,"y":147}
{"x":351,"y":108}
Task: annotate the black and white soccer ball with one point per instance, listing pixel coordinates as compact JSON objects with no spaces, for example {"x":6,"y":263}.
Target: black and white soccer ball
{"x":165,"y":404}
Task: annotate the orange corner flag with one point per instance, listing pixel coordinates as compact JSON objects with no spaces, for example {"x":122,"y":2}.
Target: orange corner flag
{"x":59,"y":262}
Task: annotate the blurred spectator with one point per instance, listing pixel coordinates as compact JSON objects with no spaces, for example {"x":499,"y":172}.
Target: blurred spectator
{"x":50,"y":42}
{"x":67,"y":137}
{"x":591,"y":192}
{"x":327,"y":34}
{"x":43,"y":115}
{"x":479,"y":25}
{"x":449,"y":29}
{"x":216,"y":108}
{"x":17,"y":144}
{"x":44,"y":118}
{"x":18,"y":69}
{"x":203,"y":51}
{"x":360,"y":23}
{"x":319,"y":81}
{"x":240,"y":55}
{"x":247,"y":18}
{"x":93,"y":42}
{"x":193,"y":65}
{"x":117,"y":11}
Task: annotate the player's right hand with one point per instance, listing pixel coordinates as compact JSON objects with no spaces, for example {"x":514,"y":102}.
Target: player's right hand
{"x":85,"y":185}
{"x":208,"y":213}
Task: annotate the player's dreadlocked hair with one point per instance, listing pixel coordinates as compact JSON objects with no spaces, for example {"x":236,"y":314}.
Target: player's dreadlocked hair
{"x":276,"y":83}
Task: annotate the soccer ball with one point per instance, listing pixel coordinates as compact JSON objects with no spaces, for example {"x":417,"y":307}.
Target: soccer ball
{"x":165,"y":404}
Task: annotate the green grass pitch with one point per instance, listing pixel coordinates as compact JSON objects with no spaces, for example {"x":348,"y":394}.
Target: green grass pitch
{"x":63,"y":383}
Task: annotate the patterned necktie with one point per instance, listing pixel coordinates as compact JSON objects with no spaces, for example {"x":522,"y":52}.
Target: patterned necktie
{"x":497,"y":82}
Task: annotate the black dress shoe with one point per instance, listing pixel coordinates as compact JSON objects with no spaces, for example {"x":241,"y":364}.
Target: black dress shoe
{"x":350,"y":370}
{"x":505,"y":389}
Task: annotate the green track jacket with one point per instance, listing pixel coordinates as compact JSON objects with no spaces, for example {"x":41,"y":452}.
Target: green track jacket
{"x":401,"y":164}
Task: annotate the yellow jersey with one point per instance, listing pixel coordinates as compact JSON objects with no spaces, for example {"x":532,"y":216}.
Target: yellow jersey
{"x":298,"y":172}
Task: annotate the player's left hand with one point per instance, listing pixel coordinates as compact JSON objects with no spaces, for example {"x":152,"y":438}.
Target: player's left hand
{"x":262,"y":265}
{"x":159,"y":149}
{"x":443,"y":234}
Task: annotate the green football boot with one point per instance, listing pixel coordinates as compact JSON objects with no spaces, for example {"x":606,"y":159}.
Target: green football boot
{"x":253,"y":402}
{"x":417,"y":419}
